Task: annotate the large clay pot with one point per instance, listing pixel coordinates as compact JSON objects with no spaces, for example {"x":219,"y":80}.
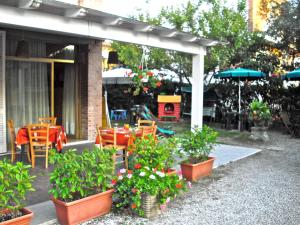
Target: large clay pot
{"x":81,"y":210}
{"x":22,"y":220}
{"x":150,"y":205}
{"x":194,"y":172}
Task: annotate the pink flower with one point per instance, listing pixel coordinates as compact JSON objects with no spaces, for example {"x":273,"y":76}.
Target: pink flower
{"x":189,"y":184}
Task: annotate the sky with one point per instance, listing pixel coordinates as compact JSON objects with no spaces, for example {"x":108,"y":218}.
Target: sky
{"x":133,"y":7}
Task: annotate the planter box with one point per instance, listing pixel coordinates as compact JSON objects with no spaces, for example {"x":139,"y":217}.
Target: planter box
{"x":171,"y":172}
{"x":150,"y":206}
{"x":194,"y":172}
{"x":22,"y":220}
{"x":81,"y":210}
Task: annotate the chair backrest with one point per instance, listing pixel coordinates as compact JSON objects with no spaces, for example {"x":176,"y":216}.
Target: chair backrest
{"x":145,"y":123}
{"x":148,"y":131}
{"x":38,"y":134}
{"x":107,"y":136}
{"x":50,"y":120}
{"x":12,"y":133}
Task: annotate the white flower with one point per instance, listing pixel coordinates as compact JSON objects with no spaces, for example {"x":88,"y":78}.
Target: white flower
{"x":123,"y":170}
{"x":120,"y":177}
{"x":152,"y":177}
{"x":142,"y":174}
{"x":168,"y":200}
{"x":161,"y":174}
{"x":147,"y":168}
{"x":189,"y":184}
{"x":129,"y":176}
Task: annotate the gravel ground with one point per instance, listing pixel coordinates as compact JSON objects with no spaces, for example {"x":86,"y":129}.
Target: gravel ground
{"x":259,"y":190}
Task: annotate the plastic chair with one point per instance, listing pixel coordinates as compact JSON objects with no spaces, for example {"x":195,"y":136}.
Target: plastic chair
{"x":39,"y":142}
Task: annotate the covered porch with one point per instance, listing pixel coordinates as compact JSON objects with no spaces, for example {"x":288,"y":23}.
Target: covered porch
{"x":63,"y":24}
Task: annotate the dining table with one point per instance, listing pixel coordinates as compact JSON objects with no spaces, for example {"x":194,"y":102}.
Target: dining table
{"x":57,"y":136}
{"x":122,"y":135}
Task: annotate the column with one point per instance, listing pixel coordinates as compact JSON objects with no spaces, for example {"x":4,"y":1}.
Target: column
{"x":94,"y":111}
{"x":197,"y":90}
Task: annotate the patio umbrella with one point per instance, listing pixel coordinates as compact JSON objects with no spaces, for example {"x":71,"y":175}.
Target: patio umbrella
{"x":293,"y":75}
{"x":240,"y":74}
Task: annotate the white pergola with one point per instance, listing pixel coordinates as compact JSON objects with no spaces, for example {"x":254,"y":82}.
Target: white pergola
{"x":59,"y":17}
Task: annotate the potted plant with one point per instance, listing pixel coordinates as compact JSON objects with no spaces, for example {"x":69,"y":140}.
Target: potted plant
{"x":259,"y":113}
{"x":156,"y":153}
{"x":197,"y":145}
{"x":15,"y":182}
{"x":146,"y":190}
{"x":81,"y":184}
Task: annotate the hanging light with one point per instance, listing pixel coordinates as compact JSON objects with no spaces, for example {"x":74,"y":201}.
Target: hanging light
{"x":30,"y":4}
{"x":113,"y":58}
{"x":22,"y":49}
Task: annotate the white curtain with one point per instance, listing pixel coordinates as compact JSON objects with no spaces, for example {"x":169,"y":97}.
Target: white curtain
{"x":27,"y":93}
{"x":69,"y":104}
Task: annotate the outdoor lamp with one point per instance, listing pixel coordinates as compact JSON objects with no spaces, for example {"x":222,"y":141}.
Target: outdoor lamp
{"x":22,"y":49}
{"x":29,"y":4}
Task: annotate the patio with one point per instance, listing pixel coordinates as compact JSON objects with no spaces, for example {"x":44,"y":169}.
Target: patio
{"x":252,"y":183}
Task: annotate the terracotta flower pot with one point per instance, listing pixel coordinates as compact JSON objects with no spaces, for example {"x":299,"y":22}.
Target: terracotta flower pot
{"x":171,"y":172}
{"x":83,"y":209}
{"x":22,"y":220}
{"x":194,"y":172}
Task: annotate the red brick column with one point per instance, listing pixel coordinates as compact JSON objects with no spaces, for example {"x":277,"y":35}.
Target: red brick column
{"x":94,"y":111}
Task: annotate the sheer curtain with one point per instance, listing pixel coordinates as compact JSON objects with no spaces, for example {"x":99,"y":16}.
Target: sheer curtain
{"x":69,"y":101}
{"x":27,"y":93}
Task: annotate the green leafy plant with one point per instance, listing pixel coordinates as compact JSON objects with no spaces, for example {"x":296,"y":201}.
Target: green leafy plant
{"x":198,"y":143}
{"x":15,"y":183}
{"x":77,"y":176}
{"x":155,"y":153}
{"x":259,"y":111}
{"x":131,"y":185}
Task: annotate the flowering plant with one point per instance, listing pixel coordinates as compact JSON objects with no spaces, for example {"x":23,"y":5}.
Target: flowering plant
{"x":155,"y":153}
{"x":131,"y":184}
{"x":143,"y":80}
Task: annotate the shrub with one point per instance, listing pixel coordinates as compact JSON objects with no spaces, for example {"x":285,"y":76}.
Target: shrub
{"x":15,"y":183}
{"x":198,"y":143}
{"x":155,"y":153}
{"x":259,"y":111}
{"x":77,"y":176}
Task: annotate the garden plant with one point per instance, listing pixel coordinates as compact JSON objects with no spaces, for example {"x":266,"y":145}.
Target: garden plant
{"x":15,"y":183}
{"x":81,"y":182}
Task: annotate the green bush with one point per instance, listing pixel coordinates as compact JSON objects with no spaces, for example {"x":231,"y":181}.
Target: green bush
{"x":155,"y":153}
{"x":198,"y":143}
{"x":77,"y":176}
{"x":15,"y":183}
{"x":259,"y":111}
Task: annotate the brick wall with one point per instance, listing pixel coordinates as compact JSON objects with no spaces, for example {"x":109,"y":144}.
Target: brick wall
{"x":94,"y":88}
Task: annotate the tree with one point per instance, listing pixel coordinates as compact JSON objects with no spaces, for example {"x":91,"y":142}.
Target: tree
{"x":284,"y":28}
{"x":210,"y":19}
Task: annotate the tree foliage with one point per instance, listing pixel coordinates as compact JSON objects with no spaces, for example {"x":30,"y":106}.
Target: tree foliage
{"x":284,"y":20}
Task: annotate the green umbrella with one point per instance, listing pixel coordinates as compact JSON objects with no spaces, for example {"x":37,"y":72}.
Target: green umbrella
{"x":240,"y":74}
{"x":293,"y":75}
